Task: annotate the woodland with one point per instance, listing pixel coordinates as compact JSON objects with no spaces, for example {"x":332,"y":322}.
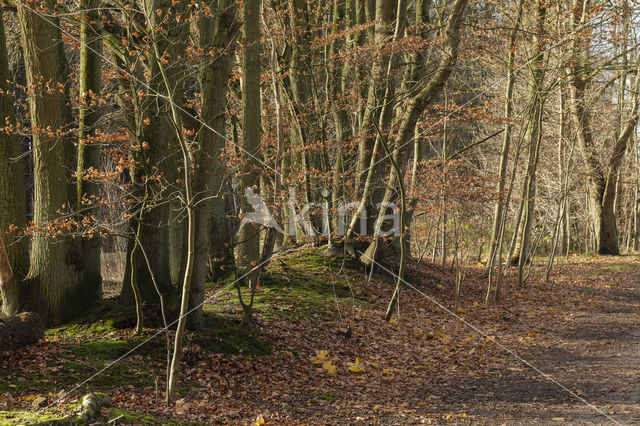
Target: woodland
{"x":319,"y":212}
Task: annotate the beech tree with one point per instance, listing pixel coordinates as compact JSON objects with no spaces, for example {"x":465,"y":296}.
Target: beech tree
{"x":248,"y":247}
{"x":602,"y":172}
{"x":218,"y":35}
{"x":54,"y":285}
{"x":344,"y":120}
{"x":88,"y":163}
{"x":12,"y":193}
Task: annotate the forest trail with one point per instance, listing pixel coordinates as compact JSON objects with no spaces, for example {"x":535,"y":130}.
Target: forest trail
{"x":427,"y":366}
{"x":582,"y":329}
{"x":594,"y":351}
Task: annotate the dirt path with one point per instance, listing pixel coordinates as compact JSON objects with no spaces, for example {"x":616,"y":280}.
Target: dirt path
{"x":582,"y":329}
{"x":594,"y":351}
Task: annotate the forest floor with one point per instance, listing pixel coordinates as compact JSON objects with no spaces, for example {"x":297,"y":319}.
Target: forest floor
{"x":320,"y":352}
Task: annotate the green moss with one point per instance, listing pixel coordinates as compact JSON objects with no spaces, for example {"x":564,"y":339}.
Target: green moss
{"x":223,"y":281}
{"x":331,"y":396}
{"x":303,"y":284}
{"x":308,"y":285}
{"x":21,"y":417}
{"x":132,"y":417}
{"x":621,"y":267}
{"x":220,"y":334}
{"x":315,"y":396}
{"x":102,"y":322}
{"x":65,"y":373}
{"x":91,"y":330}
{"x":32,"y":417}
{"x":106,"y":349}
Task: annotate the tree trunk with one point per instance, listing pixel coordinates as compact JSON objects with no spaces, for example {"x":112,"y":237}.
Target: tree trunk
{"x":248,"y":246}
{"x":506,"y":144}
{"x":416,"y":106}
{"x":533,"y":139}
{"x":154,"y":151}
{"x":563,"y":168}
{"x":212,"y":239}
{"x":8,"y":285}
{"x":187,"y":169}
{"x":56,"y":261}
{"x":272,"y":234}
{"x":89,"y":151}
{"x":602,"y":178}
{"x":12,"y":195}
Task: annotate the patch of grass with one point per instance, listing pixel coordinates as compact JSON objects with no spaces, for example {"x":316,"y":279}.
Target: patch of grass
{"x":331,"y":396}
{"x":314,"y":396}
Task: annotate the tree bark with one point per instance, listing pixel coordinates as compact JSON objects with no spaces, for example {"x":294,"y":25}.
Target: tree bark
{"x":602,"y":178}
{"x":248,"y":246}
{"x":89,"y":150}
{"x":56,"y":263}
{"x":12,"y":196}
{"x":154,"y":152}
{"x":416,"y":106}
{"x":533,"y":140}
{"x":212,"y":241}
{"x":506,"y":144}
{"x":8,"y":285}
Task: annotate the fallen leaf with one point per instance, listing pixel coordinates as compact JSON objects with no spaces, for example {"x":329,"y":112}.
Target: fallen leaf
{"x":331,"y":368}
{"x":355,"y":367}
{"x":321,"y":357}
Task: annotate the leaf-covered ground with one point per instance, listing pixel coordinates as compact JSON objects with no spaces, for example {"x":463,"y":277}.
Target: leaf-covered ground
{"x":320,"y":352}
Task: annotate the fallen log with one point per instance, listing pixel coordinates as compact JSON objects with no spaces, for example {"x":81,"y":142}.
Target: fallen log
{"x":20,"y":330}
{"x":92,"y":403}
